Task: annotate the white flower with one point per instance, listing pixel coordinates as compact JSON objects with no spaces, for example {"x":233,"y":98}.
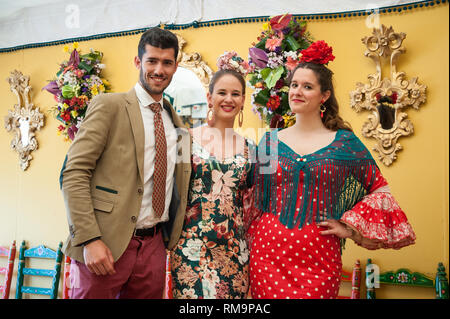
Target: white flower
{"x":243,"y":257}
{"x":209,"y":291}
{"x":192,"y":249}
{"x":70,"y":78}
{"x":189,"y":293}
{"x":291,"y":54}
{"x":233,"y":63}
{"x":209,"y":281}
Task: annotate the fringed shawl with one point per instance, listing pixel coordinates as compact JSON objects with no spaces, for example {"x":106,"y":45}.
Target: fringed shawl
{"x":331,"y":180}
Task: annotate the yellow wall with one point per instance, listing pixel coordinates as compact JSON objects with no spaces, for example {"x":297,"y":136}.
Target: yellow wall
{"x":32,"y":206}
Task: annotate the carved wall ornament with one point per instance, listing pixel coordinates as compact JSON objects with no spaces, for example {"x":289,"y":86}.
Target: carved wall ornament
{"x":387,"y":98}
{"x":194,"y":62}
{"x":24,"y":120}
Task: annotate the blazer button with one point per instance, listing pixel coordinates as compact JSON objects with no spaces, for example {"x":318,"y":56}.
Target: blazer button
{"x":133,"y":219}
{"x":140,"y":191}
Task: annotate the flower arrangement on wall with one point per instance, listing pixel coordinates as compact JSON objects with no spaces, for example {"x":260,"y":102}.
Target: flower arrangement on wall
{"x":77,"y":81}
{"x":275,"y":54}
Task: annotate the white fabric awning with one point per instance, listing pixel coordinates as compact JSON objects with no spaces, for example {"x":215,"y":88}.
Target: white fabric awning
{"x":26,"y":22}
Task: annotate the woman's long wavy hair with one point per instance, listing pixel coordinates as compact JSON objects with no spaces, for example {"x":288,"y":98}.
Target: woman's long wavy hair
{"x":331,"y":118}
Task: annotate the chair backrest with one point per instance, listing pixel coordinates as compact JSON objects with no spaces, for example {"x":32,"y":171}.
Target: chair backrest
{"x":168,"y":294}
{"x":355,"y":278}
{"x":7,"y":271}
{"x":405,"y":277}
{"x":66,"y":280}
{"x":38,"y":252}
{"x":441,"y":283}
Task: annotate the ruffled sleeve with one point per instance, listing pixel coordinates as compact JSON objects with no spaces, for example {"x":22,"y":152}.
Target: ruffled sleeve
{"x":379,"y":218}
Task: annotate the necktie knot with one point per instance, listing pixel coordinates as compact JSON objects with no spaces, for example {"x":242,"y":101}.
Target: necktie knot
{"x":155,"y":107}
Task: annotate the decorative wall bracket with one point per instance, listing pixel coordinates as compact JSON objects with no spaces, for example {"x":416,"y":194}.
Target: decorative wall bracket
{"x":24,"y":120}
{"x":194,"y":62}
{"x":387,"y":97}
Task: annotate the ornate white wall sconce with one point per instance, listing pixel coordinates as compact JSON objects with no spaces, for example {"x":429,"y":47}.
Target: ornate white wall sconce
{"x":24,"y":120}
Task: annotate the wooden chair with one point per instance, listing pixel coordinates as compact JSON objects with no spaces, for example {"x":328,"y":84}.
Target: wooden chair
{"x":405,"y":277}
{"x":66,"y":280}
{"x":168,"y":294}
{"x":38,"y":252}
{"x":7,"y":271}
{"x":355,"y":278}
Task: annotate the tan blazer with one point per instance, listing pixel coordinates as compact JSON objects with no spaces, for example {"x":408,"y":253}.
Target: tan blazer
{"x":102,"y":176}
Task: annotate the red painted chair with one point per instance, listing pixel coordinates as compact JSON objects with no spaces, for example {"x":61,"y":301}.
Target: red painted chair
{"x":66,"y":280}
{"x":7,"y":271}
{"x":355,"y":278}
{"x":168,"y":278}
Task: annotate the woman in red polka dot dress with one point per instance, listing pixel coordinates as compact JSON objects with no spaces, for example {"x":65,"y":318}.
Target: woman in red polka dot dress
{"x":316,"y":185}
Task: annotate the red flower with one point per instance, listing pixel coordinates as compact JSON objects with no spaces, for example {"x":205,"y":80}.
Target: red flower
{"x":319,"y":52}
{"x":277,"y":121}
{"x":274,"y":102}
{"x":65,"y":116}
{"x":378,"y":97}
{"x":394,"y":97}
{"x":280,"y":22}
{"x":279,"y":84}
{"x":72,"y":101}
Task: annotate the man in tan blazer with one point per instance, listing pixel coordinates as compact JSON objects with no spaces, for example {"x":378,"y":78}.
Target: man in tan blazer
{"x":117,"y":242}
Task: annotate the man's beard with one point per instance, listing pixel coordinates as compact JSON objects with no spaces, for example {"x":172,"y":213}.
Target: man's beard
{"x":146,"y":86}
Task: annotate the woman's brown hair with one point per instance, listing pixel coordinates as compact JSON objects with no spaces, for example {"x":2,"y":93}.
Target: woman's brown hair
{"x":331,"y":118}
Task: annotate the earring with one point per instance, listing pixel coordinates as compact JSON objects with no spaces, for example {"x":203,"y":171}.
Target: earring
{"x":240,"y":118}
{"x":323,"y":108}
{"x":210,"y":117}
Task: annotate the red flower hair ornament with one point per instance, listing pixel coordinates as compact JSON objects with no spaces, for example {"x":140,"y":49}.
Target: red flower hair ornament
{"x":318,"y":52}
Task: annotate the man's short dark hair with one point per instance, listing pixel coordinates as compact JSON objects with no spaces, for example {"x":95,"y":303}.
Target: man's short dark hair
{"x":159,"y":38}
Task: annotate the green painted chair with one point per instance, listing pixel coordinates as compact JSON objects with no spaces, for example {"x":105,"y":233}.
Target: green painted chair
{"x":405,"y":277}
{"x":38,"y":252}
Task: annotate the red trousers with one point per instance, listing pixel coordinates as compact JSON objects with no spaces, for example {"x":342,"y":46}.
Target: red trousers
{"x":139,"y":274}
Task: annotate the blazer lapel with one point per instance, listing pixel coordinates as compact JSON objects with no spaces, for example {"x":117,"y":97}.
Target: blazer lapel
{"x":134,"y":113}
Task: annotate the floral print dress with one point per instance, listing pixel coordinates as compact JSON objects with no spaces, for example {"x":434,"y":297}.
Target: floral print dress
{"x":211,"y":257}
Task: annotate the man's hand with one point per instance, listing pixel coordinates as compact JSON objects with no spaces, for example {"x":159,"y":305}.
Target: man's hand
{"x":98,"y":258}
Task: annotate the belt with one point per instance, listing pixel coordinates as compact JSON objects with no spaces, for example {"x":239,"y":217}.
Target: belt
{"x":144,"y":232}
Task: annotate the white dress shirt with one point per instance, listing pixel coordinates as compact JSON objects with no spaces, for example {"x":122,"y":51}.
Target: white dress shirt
{"x":147,"y":217}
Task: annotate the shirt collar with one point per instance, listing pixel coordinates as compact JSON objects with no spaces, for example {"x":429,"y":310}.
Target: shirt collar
{"x":144,"y":98}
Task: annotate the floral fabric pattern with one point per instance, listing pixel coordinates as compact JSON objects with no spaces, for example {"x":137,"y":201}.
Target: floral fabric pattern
{"x":211,"y":257}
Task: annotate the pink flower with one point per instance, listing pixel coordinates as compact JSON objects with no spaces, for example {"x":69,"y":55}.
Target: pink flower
{"x":273,"y":43}
{"x":291,"y":63}
{"x":222,"y":183}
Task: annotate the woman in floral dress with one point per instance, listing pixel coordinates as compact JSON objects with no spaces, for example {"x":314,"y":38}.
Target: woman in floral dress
{"x":324,"y":187}
{"x":211,"y":258}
